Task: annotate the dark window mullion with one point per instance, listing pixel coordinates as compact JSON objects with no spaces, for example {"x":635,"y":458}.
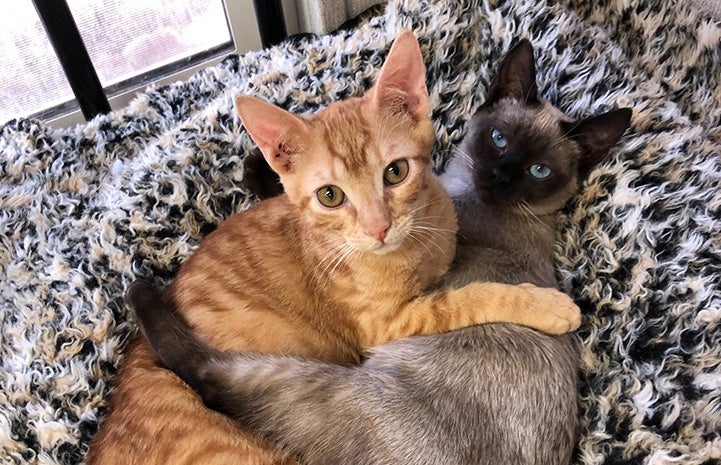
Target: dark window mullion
{"x":70,"y":49}
{"x":271,"y":22}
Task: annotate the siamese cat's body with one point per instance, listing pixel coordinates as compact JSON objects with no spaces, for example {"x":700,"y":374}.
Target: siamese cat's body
{"x":343,"y":261}
{"x":491,"y":394}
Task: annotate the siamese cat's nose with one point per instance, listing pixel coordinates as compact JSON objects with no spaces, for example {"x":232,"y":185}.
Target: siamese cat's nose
{"x":499,"y":178}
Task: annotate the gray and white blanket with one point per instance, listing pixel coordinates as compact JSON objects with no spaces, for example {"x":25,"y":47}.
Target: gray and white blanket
{"x":85,"y":210}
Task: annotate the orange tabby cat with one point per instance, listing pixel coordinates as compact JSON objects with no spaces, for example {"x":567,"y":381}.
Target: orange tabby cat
{"x":338,"y":264}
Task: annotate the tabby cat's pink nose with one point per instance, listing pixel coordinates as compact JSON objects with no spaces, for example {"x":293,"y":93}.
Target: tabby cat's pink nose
{"x":379,"y":231}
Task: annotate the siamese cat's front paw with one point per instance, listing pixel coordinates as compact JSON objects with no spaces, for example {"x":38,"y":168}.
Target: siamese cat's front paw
{"x":551,"y":311}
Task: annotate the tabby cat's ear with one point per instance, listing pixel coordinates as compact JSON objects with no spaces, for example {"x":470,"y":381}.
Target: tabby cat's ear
{"x":596,"y":135}
{"x":276,"y":132}
{"x":516,"y":78}
{"x":401,"y":85}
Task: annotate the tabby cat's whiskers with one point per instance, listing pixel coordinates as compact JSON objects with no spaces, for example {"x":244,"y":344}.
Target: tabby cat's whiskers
{"x":349,"y":250}
{"x":419,"y":240}
{"x":428,"y":232}
{"x":331,"y":260}
{"x":431,"y":202}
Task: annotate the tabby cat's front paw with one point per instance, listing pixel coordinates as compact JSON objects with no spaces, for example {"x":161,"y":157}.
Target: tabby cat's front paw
{"x":550,"y":311}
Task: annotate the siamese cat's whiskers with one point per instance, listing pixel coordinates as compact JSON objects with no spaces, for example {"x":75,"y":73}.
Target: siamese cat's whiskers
{"x":530,"y":92}
{"x":526,"y":211}
{"x":534,"y":220}
{"x":556,"y":143}
{"x":572,"y":129}
{"x":464,"y":156}
{"x":576,"y":134}
{"x":563,"y":138}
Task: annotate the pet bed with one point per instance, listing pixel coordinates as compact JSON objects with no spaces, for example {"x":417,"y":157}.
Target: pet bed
{"x":85,"y":210}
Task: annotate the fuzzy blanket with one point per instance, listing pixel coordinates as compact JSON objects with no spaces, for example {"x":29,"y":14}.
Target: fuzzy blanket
{"x":83,"y":211}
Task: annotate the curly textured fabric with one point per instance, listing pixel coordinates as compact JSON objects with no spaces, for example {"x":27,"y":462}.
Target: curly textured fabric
{"x":85,"y":210}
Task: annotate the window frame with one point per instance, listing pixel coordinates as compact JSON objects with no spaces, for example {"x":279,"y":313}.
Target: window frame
{"x":253,"y":24}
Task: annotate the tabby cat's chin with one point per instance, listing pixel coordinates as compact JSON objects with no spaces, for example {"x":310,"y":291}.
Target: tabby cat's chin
{"x":385,"y":248}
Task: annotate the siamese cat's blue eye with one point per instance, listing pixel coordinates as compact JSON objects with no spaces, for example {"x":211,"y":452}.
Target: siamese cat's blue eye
{"x":539,"y":171}
{"x":330,"y":196}
{"x":498,"y":139}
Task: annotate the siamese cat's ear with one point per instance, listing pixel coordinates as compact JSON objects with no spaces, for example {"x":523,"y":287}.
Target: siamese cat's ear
{"x":277,"y":132}
{"x":516,"y":77}
{"x":401,"y":85}
{"x":596,"y":135}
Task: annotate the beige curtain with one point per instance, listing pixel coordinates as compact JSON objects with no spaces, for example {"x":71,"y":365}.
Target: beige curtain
{"x":321,"y":16}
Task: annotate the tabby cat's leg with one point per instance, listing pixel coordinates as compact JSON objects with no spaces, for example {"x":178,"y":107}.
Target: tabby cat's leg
{"x":544,"y":309}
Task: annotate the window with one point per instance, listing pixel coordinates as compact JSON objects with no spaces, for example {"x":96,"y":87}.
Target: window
{"x":31,"y":78}
{"x":149,"y":35}
{"x":130,"y":43}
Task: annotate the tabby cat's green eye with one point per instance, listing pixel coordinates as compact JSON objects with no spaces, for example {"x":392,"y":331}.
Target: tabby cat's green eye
{"x":539,"y":171}
{"x":330,"y":196}
{"x":395,"y":172}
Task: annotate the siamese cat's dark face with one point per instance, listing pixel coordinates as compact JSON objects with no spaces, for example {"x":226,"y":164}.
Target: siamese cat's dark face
{"x":520,"y":158}
{"x":523,"y":154}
